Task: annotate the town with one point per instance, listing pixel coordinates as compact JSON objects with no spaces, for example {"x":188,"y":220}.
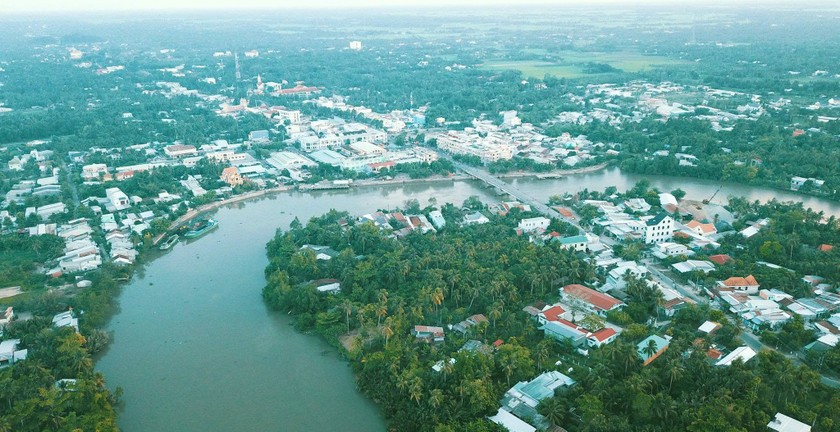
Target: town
{"x":527,"y":306}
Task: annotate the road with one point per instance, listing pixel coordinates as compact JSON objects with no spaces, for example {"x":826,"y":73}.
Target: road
{"x":685,"y":291}
{"x":752,"y":341}
{"x":513,"y":191}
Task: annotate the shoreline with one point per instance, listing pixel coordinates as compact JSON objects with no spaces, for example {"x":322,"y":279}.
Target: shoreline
{"x":193,"y":213}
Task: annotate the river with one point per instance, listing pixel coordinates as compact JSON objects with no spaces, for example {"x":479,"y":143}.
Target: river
{"x":195,"y":349}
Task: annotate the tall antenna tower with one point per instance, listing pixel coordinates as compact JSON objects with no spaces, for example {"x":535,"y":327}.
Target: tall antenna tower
{"x":236,"y":62}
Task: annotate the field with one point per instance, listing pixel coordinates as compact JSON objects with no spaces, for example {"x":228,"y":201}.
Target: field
{"x":570,"y":63}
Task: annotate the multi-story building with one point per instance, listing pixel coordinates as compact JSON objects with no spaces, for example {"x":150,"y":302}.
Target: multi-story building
{"x":659,"y":229}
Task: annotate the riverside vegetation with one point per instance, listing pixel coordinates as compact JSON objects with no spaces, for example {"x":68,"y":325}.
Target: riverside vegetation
{"x":389,"y":285}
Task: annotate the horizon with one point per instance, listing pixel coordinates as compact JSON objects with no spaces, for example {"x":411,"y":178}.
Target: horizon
{"x":107,"y":6}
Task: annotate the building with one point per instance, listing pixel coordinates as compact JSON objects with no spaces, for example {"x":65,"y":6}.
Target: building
{"x":591,"y":300}
{"x":180,"y":151}
{"x":563,"y":330}
{"x":783,"y":423}
{"x":231,"y":176}
{"x":651,"y":348}
{"x":117,"y":199}
{"x":522,"y":399}
{"x":578,"y":243}
{"x":701,"y":229}
{"x":511,"y":422}
{"x":668,"y":249}
{"x":531,"y":224}
{"x":94,"y":171}
{"x":693,"y":265}
{"x":746,"y":285}
{"x":659,"y":229}
{"x":475,"y":219}
{"x":743,"y":353}
{"x":437,"y":219}
{"x":602,"y":337}
{"x":617,"y":276}
{"x":260,"y":136}
{"x":428,"y":333}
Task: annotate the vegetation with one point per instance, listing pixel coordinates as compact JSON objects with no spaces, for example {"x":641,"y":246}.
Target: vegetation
{"x":389,"y":285}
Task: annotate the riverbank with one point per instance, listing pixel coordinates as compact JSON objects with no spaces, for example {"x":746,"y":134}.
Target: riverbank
{"x":567,"y":172}
{"x":193,"y":213}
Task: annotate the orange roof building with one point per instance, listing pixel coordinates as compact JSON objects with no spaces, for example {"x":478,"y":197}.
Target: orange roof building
{"x":594,"y":301}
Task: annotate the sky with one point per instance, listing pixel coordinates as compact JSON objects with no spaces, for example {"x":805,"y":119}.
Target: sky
{"x":128,"y":5}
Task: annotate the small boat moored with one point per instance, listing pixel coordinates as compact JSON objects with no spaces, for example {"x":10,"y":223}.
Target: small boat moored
{"x":200,"y":228}
{"x":169,"y":242}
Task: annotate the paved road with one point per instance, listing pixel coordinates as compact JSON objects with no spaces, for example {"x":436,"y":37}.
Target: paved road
{"x":685,"y":291}
{"x":752,"y":341}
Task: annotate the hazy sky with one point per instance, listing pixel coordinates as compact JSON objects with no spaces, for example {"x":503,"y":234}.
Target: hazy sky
{"x":122,"y":5}
{"x":47,"y":5}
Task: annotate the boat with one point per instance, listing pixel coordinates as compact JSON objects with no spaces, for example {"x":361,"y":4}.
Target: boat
{"x":200,"y":228}
{"x":169,"y":242}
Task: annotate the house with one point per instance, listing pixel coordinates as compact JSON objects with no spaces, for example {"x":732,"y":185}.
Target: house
{"x":7,"y":316}
{"x":180,"y":151}
{"x":329,"y":286}
{"x":659,"y":229}
{"x":693,"y":265}
{"x":616,"y":277}
{"x":475,"y":219}
{"x":323,"y":253}
{"x":231,"y":176}
{"x":783,"y":423}
{"x":463,"y":326}
{"x":437,"y":219}
{"x":93,"y":171}
{"x":701,"y":229}
{"x":591,"y":300}
{"x":602,"y":337}
{"x":796,"y":183}
{"x":521,"y":400}
{"x":428,"y":333}
{"x":720,"y":259}
{"x":825,"y":247}
{"x":531,"y":224}
{"x":553,"y":313}
{"x":8,"y":349}
{"x":563,"y":330}
{"x":746,"y":285}
{"x":511,"y":422}
{"x":709,"y":327}
{"x":66,"y":319}
{"x":117,"y":199}
{"x":754,"y":228}
{"x":651,"y":348}
{"x":743,"y":353}
{"x":668,"y":249}
{"x":637,"y":205}
{"x":578,"y":243}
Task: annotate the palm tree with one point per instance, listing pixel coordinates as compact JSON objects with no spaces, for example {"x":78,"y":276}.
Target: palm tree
{"x":554,"y":410}
{"x":347,"y":306}
{"x":436,"y":398}
{"x":387,"y":332}
{"x":650,"y":349}
{"x":415,"y":390}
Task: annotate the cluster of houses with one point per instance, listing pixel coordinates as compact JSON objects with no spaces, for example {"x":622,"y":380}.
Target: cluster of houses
{"x":81,"y":253}
{"x":10,"y":349}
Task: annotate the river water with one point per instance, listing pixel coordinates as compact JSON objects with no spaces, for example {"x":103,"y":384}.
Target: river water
{"x":195,"y":349}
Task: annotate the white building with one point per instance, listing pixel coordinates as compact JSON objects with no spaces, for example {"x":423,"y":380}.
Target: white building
{"x":659,"y":229}
{"x":531,"y":224}
{"x":117,"y":198}
{"x":783,"y":423}
{"x":93,"y":171}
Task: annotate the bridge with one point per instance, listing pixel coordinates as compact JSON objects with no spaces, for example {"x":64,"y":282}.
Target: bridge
{"x":513,"y":191}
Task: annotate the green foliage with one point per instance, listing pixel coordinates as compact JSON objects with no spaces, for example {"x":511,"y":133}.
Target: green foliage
{"x":20,"y":255}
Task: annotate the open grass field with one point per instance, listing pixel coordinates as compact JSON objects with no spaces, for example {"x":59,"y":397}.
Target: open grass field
{"x":570,"y":63}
